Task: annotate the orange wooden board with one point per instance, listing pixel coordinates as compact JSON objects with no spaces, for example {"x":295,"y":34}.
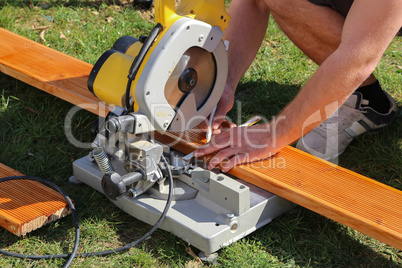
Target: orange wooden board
{"x":48,"y":69}
{"x":337,"y":193}
{"x":27,"y":205}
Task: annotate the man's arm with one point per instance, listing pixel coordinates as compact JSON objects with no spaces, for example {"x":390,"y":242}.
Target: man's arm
{"x":368,"y":30}
{"x":246,"y":30}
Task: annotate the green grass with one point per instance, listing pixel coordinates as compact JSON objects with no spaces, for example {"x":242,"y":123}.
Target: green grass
{"x":32,"y":140}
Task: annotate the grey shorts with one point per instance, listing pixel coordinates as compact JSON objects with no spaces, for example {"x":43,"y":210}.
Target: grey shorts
{"x":342,"y":6}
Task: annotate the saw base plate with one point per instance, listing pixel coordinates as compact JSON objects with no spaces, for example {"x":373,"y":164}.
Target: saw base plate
{"x":223,"y":211}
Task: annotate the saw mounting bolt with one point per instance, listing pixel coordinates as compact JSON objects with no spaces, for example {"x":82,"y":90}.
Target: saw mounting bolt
{"x":132,"y":193}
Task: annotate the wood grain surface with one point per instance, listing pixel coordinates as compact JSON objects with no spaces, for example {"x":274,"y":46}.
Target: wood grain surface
{"x":27,"y":205}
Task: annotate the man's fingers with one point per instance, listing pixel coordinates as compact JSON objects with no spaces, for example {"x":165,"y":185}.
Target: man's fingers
{"x":220,"y":116}
{"x":203,"y":126}
{"x":226,"y":124}
{"x":220,"y":157}
{"x":228,"y":159}
{"x":218,"y":142}
{"x":220,"y":125}
{"x":211,"y":147}
{"x":216,"y":131}
{"x":218,"y":120}
{"x":234,"y":161}
{"x":204,"y":151}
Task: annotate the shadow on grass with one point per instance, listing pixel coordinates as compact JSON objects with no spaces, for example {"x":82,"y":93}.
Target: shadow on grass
{"x":306,"y":238}
{"x":265,"y":98}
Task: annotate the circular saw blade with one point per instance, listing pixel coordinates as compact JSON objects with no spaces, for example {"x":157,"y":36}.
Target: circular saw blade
{"x":195,"y":73}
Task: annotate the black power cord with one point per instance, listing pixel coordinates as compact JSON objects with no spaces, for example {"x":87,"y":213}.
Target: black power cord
{"x":138,"y":61}
{"x":74,"y":254}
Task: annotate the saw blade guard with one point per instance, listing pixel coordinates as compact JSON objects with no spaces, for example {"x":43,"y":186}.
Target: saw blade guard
{"x":184,"y":77}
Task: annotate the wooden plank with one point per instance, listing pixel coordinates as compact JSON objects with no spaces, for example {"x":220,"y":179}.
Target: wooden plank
{"x":49,"y":70}
{"x":342,"y":195}
{"x":27,"y":205}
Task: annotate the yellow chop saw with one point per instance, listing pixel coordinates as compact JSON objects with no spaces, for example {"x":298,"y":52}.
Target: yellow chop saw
{"x":170,"y":80}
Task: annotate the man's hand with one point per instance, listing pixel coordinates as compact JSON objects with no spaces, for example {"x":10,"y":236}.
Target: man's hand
{"x":239,"y":145}
{"x":223,"y":107}
{"x":219,"y":121}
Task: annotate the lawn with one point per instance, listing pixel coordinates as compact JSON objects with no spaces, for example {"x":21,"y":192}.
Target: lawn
{"x":32,"y":141}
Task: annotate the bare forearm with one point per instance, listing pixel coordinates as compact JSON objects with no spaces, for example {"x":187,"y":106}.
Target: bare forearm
{"x":328,"y":88}
{"x":245,"y":33}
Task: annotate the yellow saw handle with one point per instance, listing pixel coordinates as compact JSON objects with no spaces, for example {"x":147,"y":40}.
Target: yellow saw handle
{"x":212,"y":12}
{"x":165,"y":12}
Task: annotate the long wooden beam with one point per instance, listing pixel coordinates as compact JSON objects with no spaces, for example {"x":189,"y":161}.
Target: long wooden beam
{"x":337,"y":193}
